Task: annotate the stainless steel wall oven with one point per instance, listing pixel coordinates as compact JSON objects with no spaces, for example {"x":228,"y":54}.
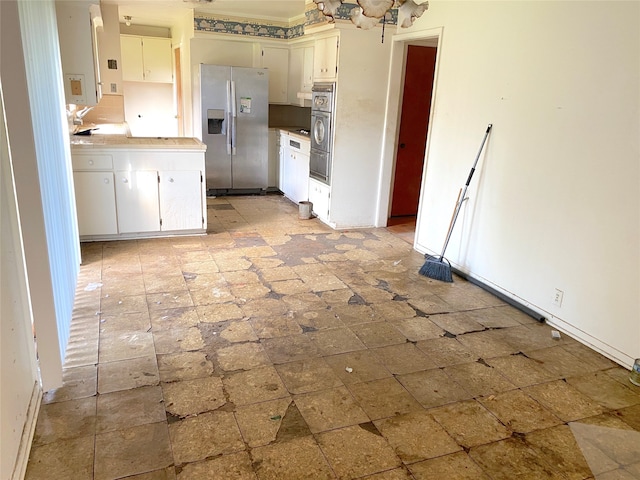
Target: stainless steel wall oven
{"x":322,"y":105}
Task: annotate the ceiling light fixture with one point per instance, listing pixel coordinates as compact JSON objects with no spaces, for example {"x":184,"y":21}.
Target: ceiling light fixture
{"x":370,"y":12}
{"x":127,"y":20}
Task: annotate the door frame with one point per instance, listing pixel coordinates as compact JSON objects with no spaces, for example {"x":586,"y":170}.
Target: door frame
{"x":425,"y":38}
{"x":177,"y":85}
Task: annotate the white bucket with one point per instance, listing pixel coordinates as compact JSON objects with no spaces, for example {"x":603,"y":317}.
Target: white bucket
{"x":304,"y":210}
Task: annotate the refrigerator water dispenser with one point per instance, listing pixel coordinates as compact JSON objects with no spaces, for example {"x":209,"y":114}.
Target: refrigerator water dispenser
{"x":215,"y":121}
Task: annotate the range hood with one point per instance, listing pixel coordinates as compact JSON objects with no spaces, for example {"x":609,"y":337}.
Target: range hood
{"x":304,"y":99}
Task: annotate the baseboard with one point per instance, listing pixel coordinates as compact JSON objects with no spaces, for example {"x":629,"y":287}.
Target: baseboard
{"x":596,"y":344}
{"x":20,"y":468}
{"x":505,"y":298}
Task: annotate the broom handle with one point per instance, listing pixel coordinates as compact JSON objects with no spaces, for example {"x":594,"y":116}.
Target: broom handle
{"x":464,"y":192}
{"x":454,"y":209}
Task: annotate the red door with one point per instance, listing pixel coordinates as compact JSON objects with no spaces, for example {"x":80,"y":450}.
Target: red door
{"x":414,"y":124}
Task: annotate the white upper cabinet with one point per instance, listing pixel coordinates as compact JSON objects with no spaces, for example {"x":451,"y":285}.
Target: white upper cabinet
{"x":146,"y":59}
{"x":307,"y":69}
{"x":325,"y":58}
{"x":131,"y":54}
{"x":276,"y":60}
{"x":156,"y":58}
{"x":300,"y":73}
{"x":296,"y":61}
{"x":78,"y":24}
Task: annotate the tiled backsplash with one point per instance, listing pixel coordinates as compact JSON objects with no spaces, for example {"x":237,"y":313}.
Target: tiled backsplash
{"x":289,"y":116}
{"x":110,"y":109}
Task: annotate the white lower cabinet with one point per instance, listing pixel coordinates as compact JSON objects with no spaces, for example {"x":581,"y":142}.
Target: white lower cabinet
{"x":320,"y":197}
{"x":134,"y":194}
{"x":137,"y":201}
{"x":283,"y":153}
{"x":180,"y":203}
{"x":95,"y":203}
{"x":301,"y":174}
{"x":274,"y":157}
{"x":294,"y":173}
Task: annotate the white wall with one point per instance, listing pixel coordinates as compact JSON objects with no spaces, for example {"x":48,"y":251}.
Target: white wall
{"x":109,"y":49}
{"x":53,"y":268}
{"x":39,"y":236}
{"x":19,"y":382}
{"x":360,"y":108}
{"x":181,"y":35}
{"x":555,"y":202}
{"x":149,"y":109}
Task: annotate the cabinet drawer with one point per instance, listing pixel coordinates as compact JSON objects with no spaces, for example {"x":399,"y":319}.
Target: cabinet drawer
{"x":92,"y":162}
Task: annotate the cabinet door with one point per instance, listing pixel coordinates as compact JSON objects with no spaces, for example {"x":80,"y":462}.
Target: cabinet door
{"x":273,"y":158}
{"x":291,"y":170}
{"x":95,"y":203}
{"x":277,"y":61}
{"x":137,"y":201}
{"x":297,"y":176}
{"x":77,"y":40}
{"x":132,"y":65}
{"x":326,"y":58}
{"x":180,"y":200}
{"x":302,"y":179}
{"x":319,"y":195}
{"x":156,"y":58}
{"x":296,"y":65}
{"x":307,"y":69}
{"x":283,"y":153}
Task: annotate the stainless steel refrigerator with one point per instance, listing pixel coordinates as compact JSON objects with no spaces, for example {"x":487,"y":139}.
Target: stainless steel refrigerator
{"x":235,"y":117}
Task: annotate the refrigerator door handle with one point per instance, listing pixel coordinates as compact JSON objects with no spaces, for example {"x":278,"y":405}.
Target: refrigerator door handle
{"x":235,"y":116}
{"x":229,"y":120}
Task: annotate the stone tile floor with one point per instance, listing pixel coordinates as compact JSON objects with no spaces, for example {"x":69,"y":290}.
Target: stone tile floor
{"x":277,"y":348}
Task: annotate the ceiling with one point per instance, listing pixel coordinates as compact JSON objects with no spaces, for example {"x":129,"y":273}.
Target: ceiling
{"x":163,"y":13}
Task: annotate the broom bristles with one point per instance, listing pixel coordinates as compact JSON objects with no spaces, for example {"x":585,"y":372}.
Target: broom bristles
{"x":437,"y":268}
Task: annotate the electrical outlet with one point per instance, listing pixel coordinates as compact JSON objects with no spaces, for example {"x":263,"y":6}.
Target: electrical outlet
{"x":557,"y":298}
{"x":114,"y":88}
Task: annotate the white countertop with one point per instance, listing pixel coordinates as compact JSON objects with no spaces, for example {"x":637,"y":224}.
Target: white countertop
{"x":120,"y":139}
{"x":292,"y":131}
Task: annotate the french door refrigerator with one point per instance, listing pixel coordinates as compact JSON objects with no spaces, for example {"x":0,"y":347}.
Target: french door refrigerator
{"x":235,"y":117}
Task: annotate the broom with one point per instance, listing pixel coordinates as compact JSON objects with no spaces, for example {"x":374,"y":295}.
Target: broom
{"x":439,"y":268}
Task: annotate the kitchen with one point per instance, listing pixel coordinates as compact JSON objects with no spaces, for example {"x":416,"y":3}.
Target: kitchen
{"x":314,"y":51}
{"x":518,"y":239}
{"x":366,"y":138}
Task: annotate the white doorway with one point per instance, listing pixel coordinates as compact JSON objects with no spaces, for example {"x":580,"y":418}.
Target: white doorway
{"x":392,"y":142}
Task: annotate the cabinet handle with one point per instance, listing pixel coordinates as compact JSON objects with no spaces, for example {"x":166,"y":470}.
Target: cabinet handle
{"x":171,"y":180}
{"x":106,"y":181}
{"x":125,"y":180}
{"x":90,"y":162}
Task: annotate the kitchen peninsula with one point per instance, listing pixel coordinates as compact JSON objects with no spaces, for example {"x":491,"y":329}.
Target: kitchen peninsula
{"x":137,"y":187}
